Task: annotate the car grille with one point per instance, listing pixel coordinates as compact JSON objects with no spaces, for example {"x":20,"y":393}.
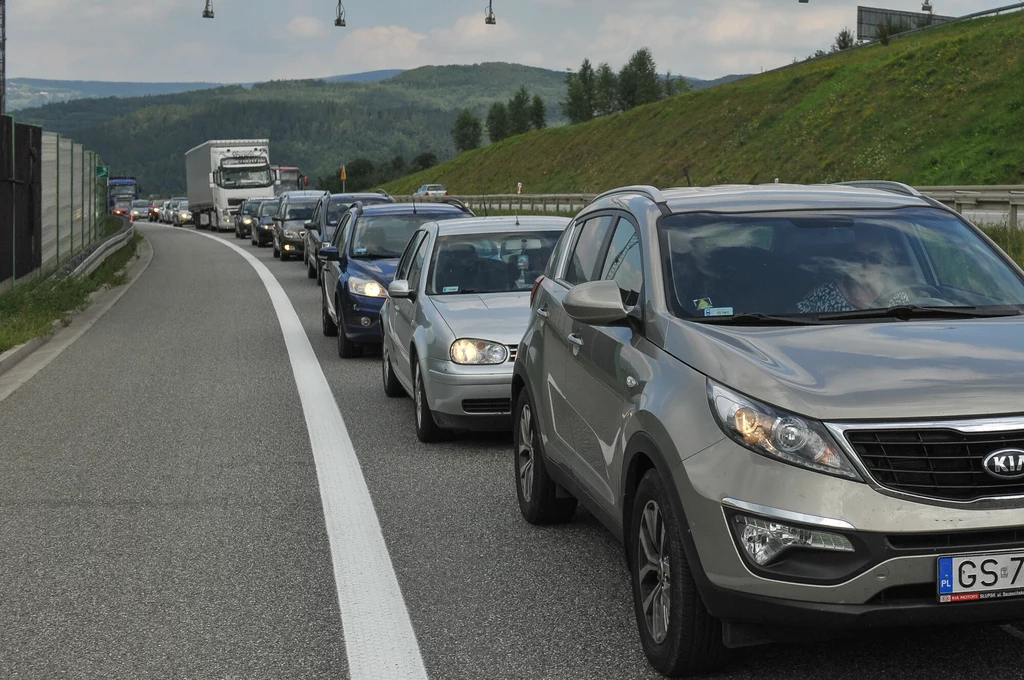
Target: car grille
{"x":501,"y":406}
{"x":998,"y":539}
{"x":936,"y":463}
{"x":236,"y":201}
{"x":513,"y":350}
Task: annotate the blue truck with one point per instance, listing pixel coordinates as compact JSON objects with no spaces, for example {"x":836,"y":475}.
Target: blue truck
{"x":121,"y":191}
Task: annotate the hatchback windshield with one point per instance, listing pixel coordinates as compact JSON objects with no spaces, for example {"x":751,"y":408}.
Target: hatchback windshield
{"x":269,"y":208}
{"x":140,"y":204}
{"x":386,"y":236}
{"x":299,"y":211}
{"x":337,"y":208}
{"x":808,"y":264}
{"x":489,"y":263}
{"x":251,"y":208}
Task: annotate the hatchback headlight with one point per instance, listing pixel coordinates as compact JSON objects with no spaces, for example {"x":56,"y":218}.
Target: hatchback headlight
{"x":467,"y":351}
{"x":247,"y":221}
{"x":288,"y":233}
{"x":366,"y":288}
{"x":778,"y":434}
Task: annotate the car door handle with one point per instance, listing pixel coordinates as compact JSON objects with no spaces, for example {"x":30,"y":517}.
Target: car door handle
{"x":575,"y":340}
{"x":542,"y":312}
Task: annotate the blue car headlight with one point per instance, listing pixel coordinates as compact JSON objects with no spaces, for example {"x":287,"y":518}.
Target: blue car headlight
{"x":366,"y":288}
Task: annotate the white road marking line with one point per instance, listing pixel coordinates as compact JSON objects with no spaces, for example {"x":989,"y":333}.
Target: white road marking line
{"x":1013,"y":631}
{"x":379,"y":638}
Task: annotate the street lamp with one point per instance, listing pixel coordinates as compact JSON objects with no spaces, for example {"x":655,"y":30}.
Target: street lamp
{"x":340,"y":21}
{"x":208,"y":12}
{"x":489,"y":18}
{"x":926,"y":6}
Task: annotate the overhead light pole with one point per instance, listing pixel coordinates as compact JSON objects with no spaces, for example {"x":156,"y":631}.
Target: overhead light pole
{"x":339,"y":21}
{"x":489,"y":17}
{"x":3,"y":56}
{"x":208,"y":12}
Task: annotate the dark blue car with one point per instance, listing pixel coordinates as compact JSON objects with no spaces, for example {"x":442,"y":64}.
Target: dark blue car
{"x":361,"y":263}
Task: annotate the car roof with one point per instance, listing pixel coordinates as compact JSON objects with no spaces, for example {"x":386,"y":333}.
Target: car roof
{"x":410,"y":208}
{"x":303,"y":194}
{"x":489,"y":225}
{"x":741,"y":198}
{"x":360,"y":196}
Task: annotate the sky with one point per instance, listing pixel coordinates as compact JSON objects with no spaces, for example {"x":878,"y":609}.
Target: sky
{"x":257,"y":40}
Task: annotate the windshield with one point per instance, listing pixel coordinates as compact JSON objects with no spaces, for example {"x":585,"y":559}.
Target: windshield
{"x":489,"y":263}
{"x":299,"y":211}
{"x":337,"y":208}
{"x":808,"y":264}
{"x":122,"y":189}
{"x":251,"y":209}
{"x":140,"y":204}
{"x":269,"y":208}
{"x":183,"y":205}
{"x":386,"y":236}
{"x":236,"y":178}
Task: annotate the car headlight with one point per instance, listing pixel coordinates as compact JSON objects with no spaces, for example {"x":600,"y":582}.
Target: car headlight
{"x":778,"y":434}
{"x":467,"y":351}
{"x":247,"y":221}
{"x":289,"y":233}
{"x":366,"y":288}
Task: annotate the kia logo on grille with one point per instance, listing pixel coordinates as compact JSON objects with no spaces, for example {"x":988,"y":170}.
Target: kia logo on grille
{"x":1005,"y":464}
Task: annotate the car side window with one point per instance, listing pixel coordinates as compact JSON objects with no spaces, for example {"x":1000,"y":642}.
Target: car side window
{"x":315,"y":219}
{"x":403,"y":264}
{"x":416,"y":267}
{"x":624,"y":264}
{"x":341,"y":233}
{"x":584,"y":260}
{"x":556,"y":252}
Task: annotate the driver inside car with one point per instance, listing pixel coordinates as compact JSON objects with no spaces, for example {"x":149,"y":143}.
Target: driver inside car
{"x":865,"y":280}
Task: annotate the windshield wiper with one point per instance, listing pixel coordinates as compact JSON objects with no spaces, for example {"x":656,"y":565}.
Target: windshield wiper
{"x":907,"y":312}
{"x":757,"y":319}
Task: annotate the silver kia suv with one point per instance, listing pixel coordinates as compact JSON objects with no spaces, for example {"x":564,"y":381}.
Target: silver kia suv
{"x":800,"y":407}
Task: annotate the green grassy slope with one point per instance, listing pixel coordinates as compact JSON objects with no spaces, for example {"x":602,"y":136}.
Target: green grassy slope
{"x":944,"y":106}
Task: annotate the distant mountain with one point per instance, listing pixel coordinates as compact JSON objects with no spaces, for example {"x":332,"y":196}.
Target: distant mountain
{"x":23,"y":93}
{"x":699,"y":84}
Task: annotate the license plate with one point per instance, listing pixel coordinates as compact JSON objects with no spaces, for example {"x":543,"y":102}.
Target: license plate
{"x":972,"y":578}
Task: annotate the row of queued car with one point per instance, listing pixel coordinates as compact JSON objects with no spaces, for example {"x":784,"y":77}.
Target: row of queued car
{"x":173,"y":211}
{"x":799,"y":407}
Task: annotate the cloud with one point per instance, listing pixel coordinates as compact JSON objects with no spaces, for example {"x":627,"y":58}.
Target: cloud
{"x":306,"y":27}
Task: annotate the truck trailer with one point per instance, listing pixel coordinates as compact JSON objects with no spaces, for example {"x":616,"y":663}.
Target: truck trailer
{"x":221,"y":174}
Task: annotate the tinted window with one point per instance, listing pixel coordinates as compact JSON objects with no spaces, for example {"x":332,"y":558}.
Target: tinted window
{"x":489,"y":263}
{"x":251,"y":208}
{"x":269,"y":208}
{"x":403,"y":265}
{"x":417,"y":266}
{"x":583,"y":263}
{"x":623,"y":263}
{"x":386,"y":236}
{"x":299,"y":211}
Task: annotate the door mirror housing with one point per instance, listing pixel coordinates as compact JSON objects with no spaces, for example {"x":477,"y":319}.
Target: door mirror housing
{"x":308,"y":225}
{"x":398,"y":289}
{"x":330,"y":254}
{"x":596,"y":303}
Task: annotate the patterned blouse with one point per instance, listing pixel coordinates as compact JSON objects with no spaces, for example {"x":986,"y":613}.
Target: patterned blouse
{"x":828,"y":298}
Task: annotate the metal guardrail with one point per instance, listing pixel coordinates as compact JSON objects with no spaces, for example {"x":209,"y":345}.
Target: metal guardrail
{"x":95,"y":259}
{"x":1005,"y":199}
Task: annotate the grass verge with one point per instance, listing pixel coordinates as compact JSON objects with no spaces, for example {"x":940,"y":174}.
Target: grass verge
{"x":29,"y":310}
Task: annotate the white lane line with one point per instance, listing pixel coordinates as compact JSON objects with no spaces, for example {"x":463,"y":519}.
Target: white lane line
{"x":379,"y":638}
{"x":1013,"y":631}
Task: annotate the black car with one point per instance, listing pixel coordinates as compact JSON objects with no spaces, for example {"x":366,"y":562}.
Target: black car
{"x":290,"y":221}
{"x":262,"y":232}
{"x":247,"y":216}
{"x":326,"y":215}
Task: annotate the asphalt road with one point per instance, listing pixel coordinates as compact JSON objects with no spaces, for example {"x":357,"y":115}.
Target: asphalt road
{"x":160,"y":516}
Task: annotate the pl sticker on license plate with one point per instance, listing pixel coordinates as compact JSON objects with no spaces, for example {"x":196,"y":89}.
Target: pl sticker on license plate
{"x":973,"y":578}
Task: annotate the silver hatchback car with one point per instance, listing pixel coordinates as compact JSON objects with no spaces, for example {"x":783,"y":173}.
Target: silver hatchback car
{"x":800,"y":407}
{"x":455,"y":314}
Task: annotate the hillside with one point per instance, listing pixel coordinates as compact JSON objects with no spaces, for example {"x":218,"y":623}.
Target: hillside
{"x":313,"y":124}
{"x":25,"y":93}
{"x":944,"y":106}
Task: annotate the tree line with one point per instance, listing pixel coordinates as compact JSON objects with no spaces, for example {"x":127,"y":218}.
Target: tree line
{"x":600,"y":92}
{"x":362,"y":174}
{"x":519,"y":115}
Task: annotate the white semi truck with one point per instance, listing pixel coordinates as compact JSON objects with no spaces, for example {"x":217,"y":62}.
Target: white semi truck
{"x":222,"y":173}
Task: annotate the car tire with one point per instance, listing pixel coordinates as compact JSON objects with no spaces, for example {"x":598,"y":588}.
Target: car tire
{"x":537,"y":492}
{"x":346,"y":348}
{"x":392,"y":388}
{"x":310,"y":270}
{"x":252,"y":240}
{"x":688,"y":640}
{"x":285,"y":256}
{"x":327,"y":324}
{"x":277,"y":253}
{"x":427,"y":430}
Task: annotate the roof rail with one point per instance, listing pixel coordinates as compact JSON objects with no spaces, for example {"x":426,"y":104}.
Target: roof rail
{"x":383,"y":193}
{"x":883,"y":185}
{"x":650,"y":192}
{"x":458,"y":204}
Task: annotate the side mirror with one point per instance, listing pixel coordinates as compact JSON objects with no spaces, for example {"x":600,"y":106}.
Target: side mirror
{"x":308,"y":225}
{"x":398,"y":289}
{"x":596,"y":303}
{"x":211,"y":179}
{"x":330,"y":254}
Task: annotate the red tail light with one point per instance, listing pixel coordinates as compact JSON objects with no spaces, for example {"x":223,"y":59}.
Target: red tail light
{"x":536,"y":286}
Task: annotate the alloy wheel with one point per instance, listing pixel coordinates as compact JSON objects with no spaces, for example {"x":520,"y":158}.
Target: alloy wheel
{"x":654,"y":573}
{"x":525,"y":453}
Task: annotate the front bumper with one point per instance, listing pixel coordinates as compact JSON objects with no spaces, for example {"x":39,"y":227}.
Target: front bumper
{"x":890,"y":579}
{"x":292,"y":246}
{"x":470,"y":397}
{"x":360,"y":318}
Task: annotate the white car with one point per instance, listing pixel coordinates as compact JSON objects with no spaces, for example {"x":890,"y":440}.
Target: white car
{"x":431,"y":190}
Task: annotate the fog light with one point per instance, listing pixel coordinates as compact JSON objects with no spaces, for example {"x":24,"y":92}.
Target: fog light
{"x":365,"y":322}
{"x":287,"y":247}
{"x":764,"y":540}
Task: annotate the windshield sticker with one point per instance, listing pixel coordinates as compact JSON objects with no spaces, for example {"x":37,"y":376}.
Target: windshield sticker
{"x":703,"y":303}
{"x":718,"y":311}
{"x":360,"y":251}
{"x":450,"y":289}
